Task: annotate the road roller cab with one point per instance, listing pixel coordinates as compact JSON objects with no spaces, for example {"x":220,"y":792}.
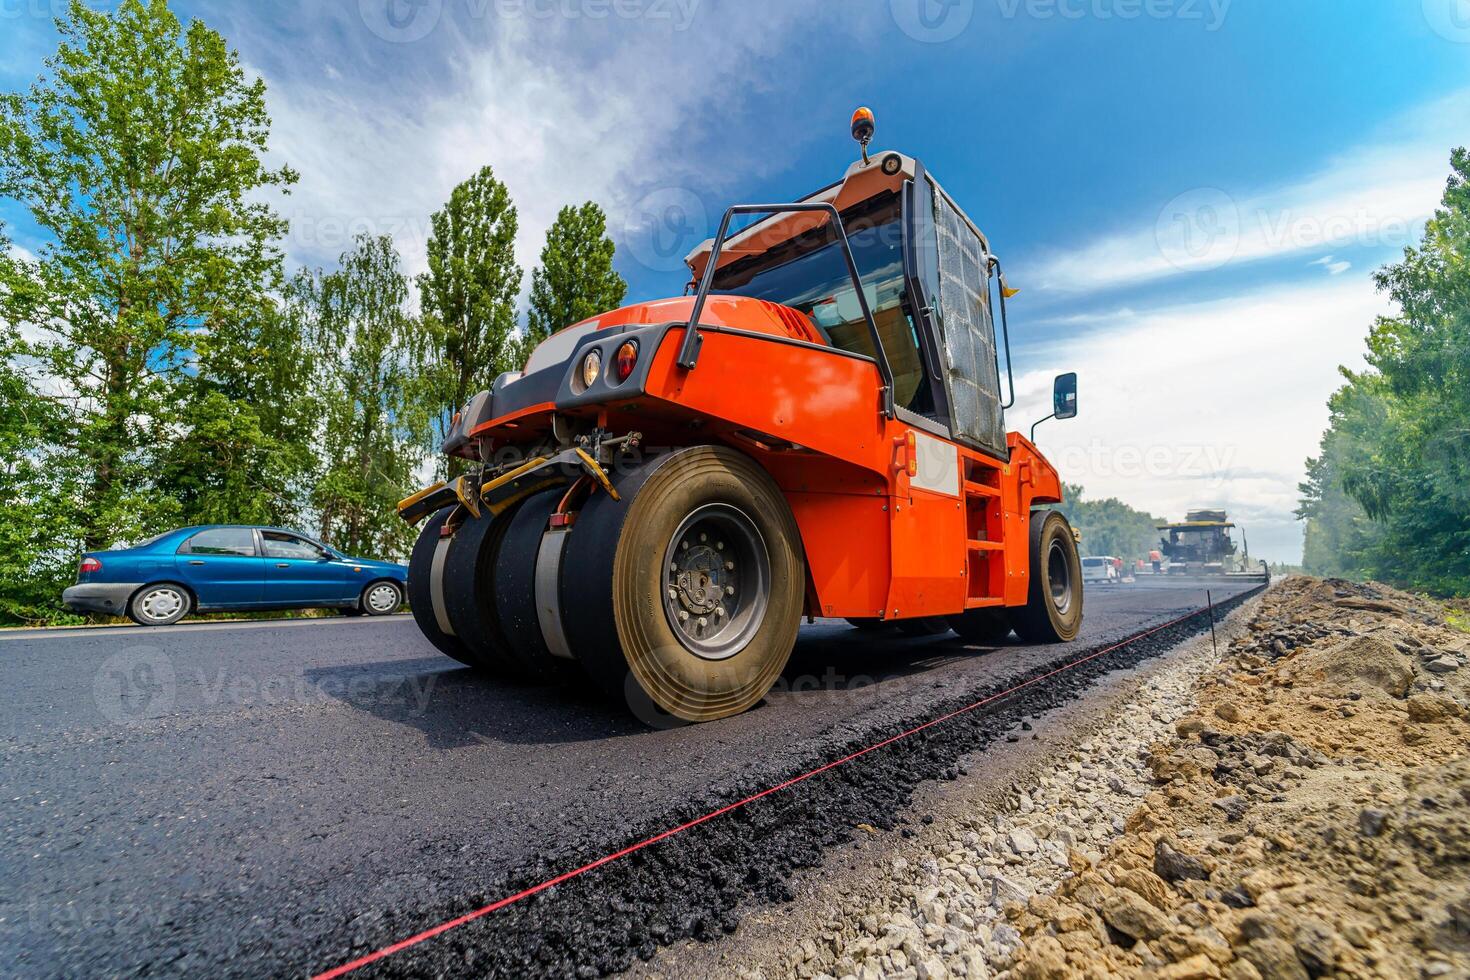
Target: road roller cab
{"x":665,"y":489}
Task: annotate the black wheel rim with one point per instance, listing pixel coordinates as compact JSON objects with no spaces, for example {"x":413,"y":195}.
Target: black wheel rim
{"x":1059,"y":577}
{"x":716,"y":581}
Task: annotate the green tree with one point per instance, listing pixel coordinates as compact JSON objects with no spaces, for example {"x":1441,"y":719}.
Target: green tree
{"x":246,"y":454}
{"x":468,"y":296}
{"x":1398,"y":442}
{"x":369,"y":349}
{"x":575,"y":279}
{"x":1109,"y":527}
{"x":139,"y":154}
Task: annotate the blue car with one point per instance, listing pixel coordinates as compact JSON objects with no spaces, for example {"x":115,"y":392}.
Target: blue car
{"x":229,"y":567}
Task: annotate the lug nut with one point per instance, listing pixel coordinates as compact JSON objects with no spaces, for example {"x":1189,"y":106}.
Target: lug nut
{"x":673,"y":593}
{"x":729,"y":566}
{"x":703,"y":536}
{"x":729,"y":590}
{"x":719,"y":546}
{"x":683,"y":616}
{"x":719,"y":612}
{"x":684,"y":545}
{"x":703,"y":622}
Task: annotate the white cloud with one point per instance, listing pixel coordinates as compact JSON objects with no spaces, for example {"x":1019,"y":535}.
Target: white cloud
{"x":1334,"y":268}
{"x":1211,"y":404}
{"x":1377,"y":194}
{"x":565,"y":110}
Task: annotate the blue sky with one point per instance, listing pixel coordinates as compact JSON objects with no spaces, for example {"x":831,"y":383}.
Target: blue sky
{"x":1192,"y":194}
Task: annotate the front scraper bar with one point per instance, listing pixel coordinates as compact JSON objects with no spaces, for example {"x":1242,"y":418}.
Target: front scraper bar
{"x":506,"y":489}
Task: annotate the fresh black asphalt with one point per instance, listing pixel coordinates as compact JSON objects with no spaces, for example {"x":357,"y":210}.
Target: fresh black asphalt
{"x":278,"y":798}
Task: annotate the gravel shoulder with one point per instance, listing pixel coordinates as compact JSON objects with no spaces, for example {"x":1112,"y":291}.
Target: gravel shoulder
{"x":926,"y":898}
{"x":1293,"y":805}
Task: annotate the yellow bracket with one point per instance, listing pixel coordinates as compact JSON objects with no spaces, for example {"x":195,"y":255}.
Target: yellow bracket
{"x":505,"y":478}
{"x":408,"y":502}
{"x":464,"y":493}
{"x":590,"y":465}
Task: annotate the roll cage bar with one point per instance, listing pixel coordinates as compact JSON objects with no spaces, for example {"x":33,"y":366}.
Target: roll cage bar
{"x":693,"y":341}
{"x":689,"y":352}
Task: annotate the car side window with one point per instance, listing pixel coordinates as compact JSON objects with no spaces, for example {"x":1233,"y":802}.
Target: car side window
{"x":221,"y":541}
{"x":279,"y":544}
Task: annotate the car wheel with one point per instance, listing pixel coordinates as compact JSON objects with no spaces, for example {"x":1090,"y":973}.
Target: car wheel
{"x":381,"y":598}
{"x":159,"y":605}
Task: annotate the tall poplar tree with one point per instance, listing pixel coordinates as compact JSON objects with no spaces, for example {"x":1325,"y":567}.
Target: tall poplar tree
{"x":575,"y":279}
{"x":468,"y":296}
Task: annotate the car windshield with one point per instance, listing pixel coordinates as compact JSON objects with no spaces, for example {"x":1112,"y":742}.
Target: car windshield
{"x":809,"y":273}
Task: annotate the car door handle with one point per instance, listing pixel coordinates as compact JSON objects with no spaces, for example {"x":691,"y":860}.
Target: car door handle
{"x":195,"y":561}
{"x":283,"y":564}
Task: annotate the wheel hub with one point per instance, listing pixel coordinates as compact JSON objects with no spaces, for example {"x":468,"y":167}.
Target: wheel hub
{"x":716,"y":581}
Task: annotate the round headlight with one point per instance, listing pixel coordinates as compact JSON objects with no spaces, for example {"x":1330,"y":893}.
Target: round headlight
{"x":591,"y":367}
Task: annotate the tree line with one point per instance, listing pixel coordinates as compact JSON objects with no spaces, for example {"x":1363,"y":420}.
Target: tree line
{"x":160,"y":367}
{"x":1388,"y":495}
{"x":1109,"y":527}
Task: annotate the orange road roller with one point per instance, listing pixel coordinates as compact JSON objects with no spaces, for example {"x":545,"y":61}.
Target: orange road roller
{"x":665,"y":490}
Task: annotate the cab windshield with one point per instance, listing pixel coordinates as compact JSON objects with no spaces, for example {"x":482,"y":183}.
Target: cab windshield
{"x":809,"y":273}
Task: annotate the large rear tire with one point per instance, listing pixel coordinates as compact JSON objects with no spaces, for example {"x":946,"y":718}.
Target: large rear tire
{"x":707,"y":581}
{"x":420,"y":594}
{"x":1053,"y":610}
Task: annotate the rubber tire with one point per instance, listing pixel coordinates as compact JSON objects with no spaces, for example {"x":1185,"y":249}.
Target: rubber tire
{"x":141,"y":620}
{"x":366,"y":610}
{"x":924,"y":626}
{"x":1039,"y":621}
{"x":621,"y":633}
{"x":515,"y":592}
{"x":469,"y":592}
{"x":986,"y":627}
{"x":420,"y":603}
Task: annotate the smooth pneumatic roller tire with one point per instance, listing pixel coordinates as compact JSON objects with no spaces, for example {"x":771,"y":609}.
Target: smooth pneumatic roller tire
{"x":707,"y":580}
{"x":986,"y":627}
{"x":924,"y":626}
{"x":515,"y":591}
{"x":469,"y":591}
{"x":420,"y":597}
{"x":1053,"y":610}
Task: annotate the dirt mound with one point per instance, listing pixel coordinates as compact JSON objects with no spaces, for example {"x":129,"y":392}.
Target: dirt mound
{"x":1311,"y":818}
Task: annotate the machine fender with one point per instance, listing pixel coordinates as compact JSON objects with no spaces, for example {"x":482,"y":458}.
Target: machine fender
{"x":436,"y":585}
{"x":548,"y":591}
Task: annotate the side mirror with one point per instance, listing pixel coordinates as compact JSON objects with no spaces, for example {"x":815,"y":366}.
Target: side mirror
{"x":1064,"y":395}
{"x":1063,"y":400}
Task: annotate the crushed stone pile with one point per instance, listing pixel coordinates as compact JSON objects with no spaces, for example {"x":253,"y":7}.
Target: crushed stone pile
{"x":1310,"y":818}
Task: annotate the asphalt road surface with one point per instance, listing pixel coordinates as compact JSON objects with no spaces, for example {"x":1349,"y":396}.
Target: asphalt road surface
{"x":280,"y":797}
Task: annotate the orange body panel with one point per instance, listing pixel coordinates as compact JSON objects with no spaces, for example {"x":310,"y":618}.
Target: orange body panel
{"x":876,"y":545}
